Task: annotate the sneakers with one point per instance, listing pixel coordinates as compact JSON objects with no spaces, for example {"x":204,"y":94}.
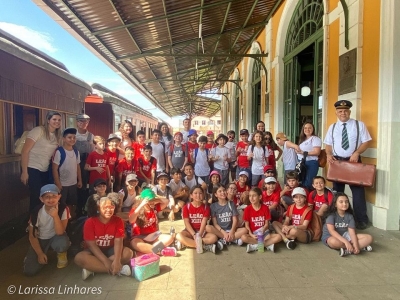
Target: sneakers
{"x":251,"y":248}
{"x":220,"y":244}
{"x":62,"y":260}
{"x":86,"y":274}
{"x":179,"y":245}
{"x":368,"y":248}
{"x":271,"y":248}
{"x":238,"y":242}
{"x":344,"y":252}
{"x":126,"y":271}
{"x":210,"y":248}
{"x":291,"y":244}
{"x":172,"y":230}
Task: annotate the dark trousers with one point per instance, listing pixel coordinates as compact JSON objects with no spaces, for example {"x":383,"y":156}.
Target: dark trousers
{"x":83,"y":192}
{"x":36,"y":180}
{"x":358,"y":191}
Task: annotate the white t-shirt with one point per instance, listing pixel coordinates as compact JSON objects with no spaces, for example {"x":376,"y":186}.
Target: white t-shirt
{"x":192,"y":183}
{"x":201,"y":166}
{"x":308,"y":145}
{"x":175,"y":186}
{"x":69,"y":169}
{"x":185,"y":136}
{"x":221,"y":163}
{"x":159,"y":154}
{"x":45,"y":223}
{"x":42,"y":150}
{"x":167,"y":142}
{"x":259,"y":155}
{"x":232,"y":149}
{"x":130,"y":200}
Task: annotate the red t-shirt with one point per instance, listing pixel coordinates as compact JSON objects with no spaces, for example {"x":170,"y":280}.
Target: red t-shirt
{"x":242,"y":160}
{"x":277,"y":186}
{"x":256,"y":218}
{"x":138,"y":149}
{"x":97,"y":160}
{"x":210,"y":146}
{"x":126,"y":168}
{"x":190,"y":148}
{"x":297,"y":213}
{"x":112,"y":161}
{"x":319,"y":200}
{"x":240,"y":190}
{"x":195,"y":214}
{"x":151,"y":224}
{"x":146,"y":166}
{"x":103,"y":234}
{"x":269,"y":200}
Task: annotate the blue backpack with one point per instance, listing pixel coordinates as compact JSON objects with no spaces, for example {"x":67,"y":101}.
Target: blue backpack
{"x":63,"y":155}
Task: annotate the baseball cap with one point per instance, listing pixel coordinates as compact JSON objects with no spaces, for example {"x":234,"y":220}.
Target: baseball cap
{"x":281,"y":136}
{"x":131,"y":177}
{"x":99,"y":181}
{"x":162,"y":174}
{"x":69,"y":131}
{"x":49,"y":188}
{"x":192,"y":132}
{"x":113,"y":136}
{"x":269,"y":167}
{"x":82,"y":117}
{"x":299,"y":191}
{"x":178,"y":133}
{"x":147,"y":194}
{"x":244,"y":173}
{"x":270,"y":179}
{"x":210,"y":132}
{"x":243,"y":132}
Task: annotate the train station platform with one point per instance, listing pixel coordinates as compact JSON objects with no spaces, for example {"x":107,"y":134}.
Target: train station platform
{"x":308,"y":272}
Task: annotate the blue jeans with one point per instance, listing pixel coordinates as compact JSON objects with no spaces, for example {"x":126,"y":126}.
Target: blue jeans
{"x":311,"y":171}
{"x":36,"y":180}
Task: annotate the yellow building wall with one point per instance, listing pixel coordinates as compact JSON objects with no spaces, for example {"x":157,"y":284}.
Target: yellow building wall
{"x":332,"y":4}
{"x":275,"y":25}
{"x":333,"y":71}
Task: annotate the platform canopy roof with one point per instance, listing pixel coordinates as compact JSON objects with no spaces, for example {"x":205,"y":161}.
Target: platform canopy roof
{"x":174,"y":52}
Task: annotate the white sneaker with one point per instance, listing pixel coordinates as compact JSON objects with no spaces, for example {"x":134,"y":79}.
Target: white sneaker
{"x":368,"y":248}
{"x":86,"y":274}
{"x":220,"y":244}
{"x":210,"y":248}
{"x":126,"y":271}
{"x":179,"y":245}
{"x":238,"y":242}
{"x":251,"y":248}
{"x":271,"y":248}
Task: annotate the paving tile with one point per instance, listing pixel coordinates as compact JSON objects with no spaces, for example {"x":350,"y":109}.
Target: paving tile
{"x":149,"y":294}
{"x":370,"y":292}
{"x":385,"y":267}
{"x":245,"y":293}
{"x":307,"y":293}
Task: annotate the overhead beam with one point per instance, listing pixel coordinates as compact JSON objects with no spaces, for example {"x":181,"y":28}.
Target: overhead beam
{"x":147,"y":54}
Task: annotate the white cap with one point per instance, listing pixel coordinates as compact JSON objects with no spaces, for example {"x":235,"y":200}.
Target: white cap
{"x":131,"y":177}
{"x":244,"y":173}
{"x":270,"y":179}
{"x":299,"y":191}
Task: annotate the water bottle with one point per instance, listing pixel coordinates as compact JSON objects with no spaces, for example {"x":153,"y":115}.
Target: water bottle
{"x":199,"y":243}
{"x":172,"y":230}
{"x":168,"y":251}
{"x":260,"y":241}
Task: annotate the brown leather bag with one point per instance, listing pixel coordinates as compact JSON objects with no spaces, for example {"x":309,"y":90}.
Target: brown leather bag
{"x":352,"y":173}
{"x":322,"y":158}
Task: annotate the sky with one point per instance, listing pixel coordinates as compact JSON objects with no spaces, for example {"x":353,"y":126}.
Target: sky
{"x":25,"y":20}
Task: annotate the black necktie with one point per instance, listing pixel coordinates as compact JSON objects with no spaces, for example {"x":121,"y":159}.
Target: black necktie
{"x":345,"y":137}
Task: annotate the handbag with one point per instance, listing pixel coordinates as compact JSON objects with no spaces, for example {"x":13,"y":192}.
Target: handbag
{"x":322,"y":158}
{"x":301,"y":167}
{"x":352,"y":173}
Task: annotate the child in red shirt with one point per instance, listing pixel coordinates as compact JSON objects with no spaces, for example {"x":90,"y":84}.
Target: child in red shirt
{"x":97,"y":163}
{"x":321,"y":197}
{"x":241,"y":154}
{"x":192,"y":144}
{"x":146,"y":166}
{"x":270,"y":171}
{"x":297,"y":221}
{"x":271,"y":198}
{"x":144,"y":222}
{"x":140,"y":144}
{"x":127,"y":165}
{"x":112,"y":152}
{"x":195,"y":216}
{"x":256,"y":217}
{"x":242,"y":187}
{"x":292,"y":182}
{"x":103,"y":235}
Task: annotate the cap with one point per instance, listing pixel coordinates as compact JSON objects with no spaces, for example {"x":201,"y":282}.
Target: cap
{"x":69,"y":131}
{"x":215,"y":173}
{"x":269,"y":167}
{"x":192,"y":132}
{"x":82,"y":117}
{"x":147,"y":194}
{"x":244,"y":173}
{"x":221,"y":135}
{"x":299,"y":191}
{"x":162,"y":174}
{"x":243,"y":132}
{"x":281,"y":136}
{"x":131,"y":177}
{"x":113,"y":136}
{"x":178,"y":133}
{"x":270,"y":179}
{"x":99,"y":181}
{"x":343,"y":104}
{"x":210,"y":132}
{"x":49,"y":188}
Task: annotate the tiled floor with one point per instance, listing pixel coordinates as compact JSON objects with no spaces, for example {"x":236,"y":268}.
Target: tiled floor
{"x":308,"y":272}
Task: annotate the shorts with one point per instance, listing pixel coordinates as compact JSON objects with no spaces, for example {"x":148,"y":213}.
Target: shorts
{"x":107,"y":252}
{"x":310,"y":236}
{"x":69,"y":195}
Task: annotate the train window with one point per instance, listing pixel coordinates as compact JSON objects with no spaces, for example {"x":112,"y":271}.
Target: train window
{"x":70,"y":121}
{"x":117,"y":122}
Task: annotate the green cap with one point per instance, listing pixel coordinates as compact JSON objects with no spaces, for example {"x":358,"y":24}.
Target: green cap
{"x":147,"y":194}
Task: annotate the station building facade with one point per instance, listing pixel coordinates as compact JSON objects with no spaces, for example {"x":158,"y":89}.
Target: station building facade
{"x":314,"y":53}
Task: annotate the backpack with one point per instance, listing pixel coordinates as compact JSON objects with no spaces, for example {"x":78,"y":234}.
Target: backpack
{"x":75,"y":234}
{"x":172,"y":147}
{"x":19,"y":144}
{"x":34,"y":215}
{"x":197,"y":151}
{"x":326,"y":192}
{"x":315,"y":224}
{"x":63,"y":155}
{"x":141,"y":162}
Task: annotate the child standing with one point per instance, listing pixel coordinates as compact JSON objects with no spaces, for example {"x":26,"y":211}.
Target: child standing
{"x":200,"y":157}
{"x":221,"y":157}
{"x":159,"y":152}
{"x":224,"y":219}
{"x":231,"y":145}
{"x":147,"y":166}
{"x":257,"y":153}
{"x":195,"y":216}
{"x":339,"y":229}
{"x":103,"y":235}
{"x":321,"y":197}
{"x":67,"y":172}
{"x":97,"y":163}
{"x":126,"y":166}
{"x":177,"y":153}
{"x":297,"y":221}
{"x":256,"y":217}
{"x":289,"y":155}
{"x":112,"y":151}
{"x":145,"y":222}
{"x":47,"y":226}
{"x":192,"y":144}
{"x":140,"y":144}
{"x":241,"y":154}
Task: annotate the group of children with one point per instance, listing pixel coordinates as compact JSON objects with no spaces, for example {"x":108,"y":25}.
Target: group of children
{"x":216,"y":210}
